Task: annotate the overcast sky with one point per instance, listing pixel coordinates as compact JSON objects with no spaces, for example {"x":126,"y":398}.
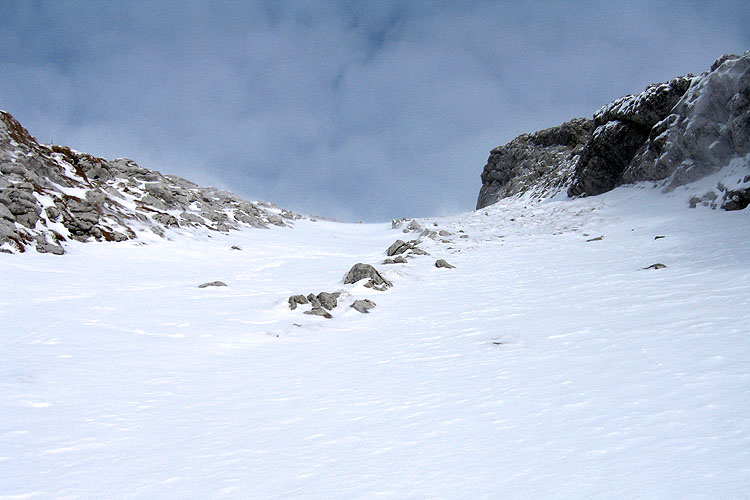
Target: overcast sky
{"x":353,"y":110}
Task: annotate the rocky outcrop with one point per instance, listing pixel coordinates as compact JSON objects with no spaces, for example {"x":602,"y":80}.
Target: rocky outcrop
{"x":53,"y":194}
{"x":621,"y":128}
{"x":703,"y":132}
{"x":674,"y":132}
{"x":542,"y":163}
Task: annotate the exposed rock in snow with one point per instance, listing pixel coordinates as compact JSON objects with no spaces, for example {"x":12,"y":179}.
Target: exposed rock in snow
{"x":443,"y":263}
{"x":363,"y":305}
{"x":398,"y":246}
{"x":361,"y":271}
{"x":676,"y":132}
{"x":708,"y":127}
{"x":319,"y":311}
{"x":294,"y":300}
{"x":50,"y":194}
{"x":541,"y":163}
{"x":212,"y":284}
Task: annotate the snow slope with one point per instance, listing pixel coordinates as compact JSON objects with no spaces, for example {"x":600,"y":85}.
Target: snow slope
{"x":544,"y":366}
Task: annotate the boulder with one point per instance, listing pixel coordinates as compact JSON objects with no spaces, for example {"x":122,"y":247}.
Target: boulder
{"x":297,"y":299}
{"x":397,"y":247}
{"x":363,"y":305}
{"x":361,"y":271}
{"x":44,"y":246}
{"x":441,"y":263}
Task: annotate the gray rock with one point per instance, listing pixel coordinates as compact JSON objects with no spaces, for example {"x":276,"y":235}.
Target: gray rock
{"x":678,"y":131}
{"x":735,"y":200}
{"x":655,"y":266}
{"x":212,"y":284}
{"x":6,"y":214}
{"x":397,"y":260}
{"x":79,"y":216}
{"x":328,"y":300}
{"x":363,"y":305}
{"x":313,"y":299}
{"x":418,"y":251}
{"x":361,"y":271}
{"x":275,"y":220}
{"x":397,"y":247}
{"x":166,"y":220}
{"x":297,"y":299}
{"x":706,"y":129}
{"x":19,"y":201}
{"x":44,"y":246}
{"x":319,"y":311}
{"x":622,"y":128}
{"x":442,"y":263}
{"x":542,"y":163}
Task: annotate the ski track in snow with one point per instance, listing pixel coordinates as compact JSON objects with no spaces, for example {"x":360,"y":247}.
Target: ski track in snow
{"x":543,"y":366}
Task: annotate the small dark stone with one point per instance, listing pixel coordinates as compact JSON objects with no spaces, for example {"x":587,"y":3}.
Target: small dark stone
{"x":212,"y":283}
{"x":442,"y":263}
{"x":655,"y":266}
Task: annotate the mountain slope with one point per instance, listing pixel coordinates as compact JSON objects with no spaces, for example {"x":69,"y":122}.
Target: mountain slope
{"x":52,"y":194}
{"x":673,"y":133}
{"x":548,"y":364}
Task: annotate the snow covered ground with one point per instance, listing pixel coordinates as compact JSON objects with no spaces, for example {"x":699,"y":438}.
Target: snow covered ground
{"x":545,"y":365}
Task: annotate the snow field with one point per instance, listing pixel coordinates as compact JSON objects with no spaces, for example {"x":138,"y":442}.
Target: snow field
{"x":543,"y":366}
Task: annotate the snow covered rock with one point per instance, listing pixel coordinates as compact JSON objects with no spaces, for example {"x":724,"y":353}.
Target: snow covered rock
{"x":361,"y":271}
{"x":363,"y":305}
{"x":51,"y":194}
{"x":541,"y":163}
{"x":677,"y":132}
{"x":706,"y":129}
{"x":621,"y":128}
{"x":296,"y":300}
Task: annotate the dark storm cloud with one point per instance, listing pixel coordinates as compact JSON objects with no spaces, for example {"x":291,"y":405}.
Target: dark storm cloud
{"x":356,"y":110}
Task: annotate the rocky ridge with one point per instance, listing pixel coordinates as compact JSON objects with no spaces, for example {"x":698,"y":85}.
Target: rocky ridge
{"x":52,"y":194}
{"x":673,"y":133}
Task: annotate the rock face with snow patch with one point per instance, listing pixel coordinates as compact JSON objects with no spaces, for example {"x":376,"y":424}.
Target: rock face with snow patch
{"x":675,"y":132}
{"x":542,"y":162}
{"x":51,"y":194}
{"x":621,"y":128}
{"x":706,"y":129}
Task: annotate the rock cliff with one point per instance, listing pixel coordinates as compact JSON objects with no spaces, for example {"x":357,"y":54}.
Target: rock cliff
{"x":675,"y":133}
{"x":52,"y":194}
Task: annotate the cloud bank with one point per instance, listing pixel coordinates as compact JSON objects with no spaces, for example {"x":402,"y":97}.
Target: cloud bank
{"x":354,"y":110}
